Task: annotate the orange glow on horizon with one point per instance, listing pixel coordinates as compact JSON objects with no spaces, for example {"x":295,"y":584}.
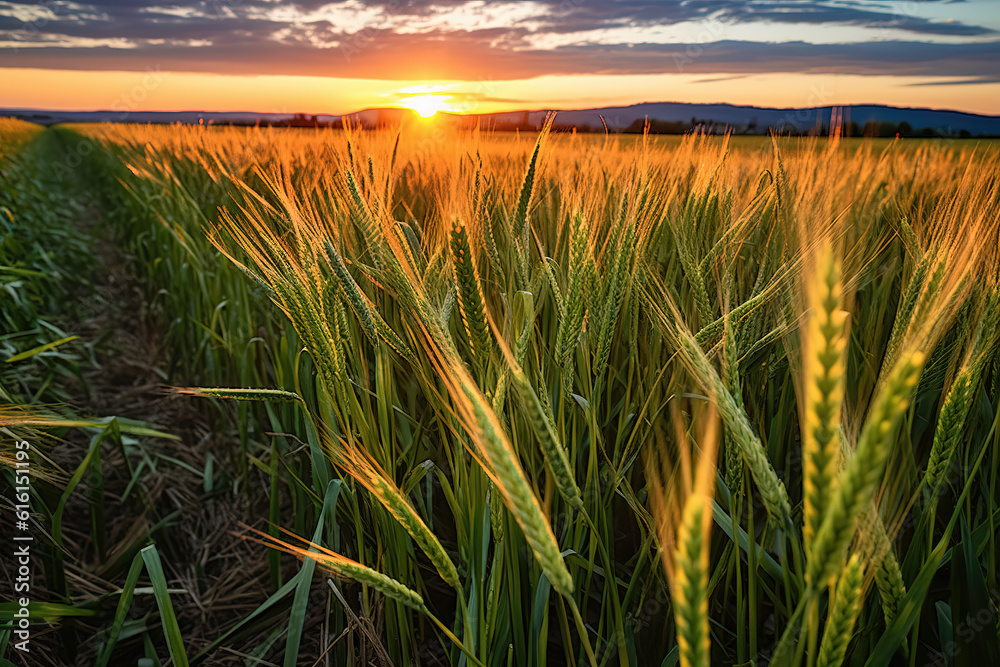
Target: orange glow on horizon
{"x":124,"y":91}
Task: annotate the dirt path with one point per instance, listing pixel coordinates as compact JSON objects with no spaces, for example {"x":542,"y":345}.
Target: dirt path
{"x":177,"y":493}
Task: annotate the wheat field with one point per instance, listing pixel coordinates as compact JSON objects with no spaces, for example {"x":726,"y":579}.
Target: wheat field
{"x":473,"y":398}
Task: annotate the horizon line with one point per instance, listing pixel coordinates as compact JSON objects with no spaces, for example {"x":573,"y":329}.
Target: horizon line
{"x":556,"y":110}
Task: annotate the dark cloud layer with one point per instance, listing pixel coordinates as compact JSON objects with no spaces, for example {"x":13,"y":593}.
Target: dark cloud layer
{"x":370,"y":40}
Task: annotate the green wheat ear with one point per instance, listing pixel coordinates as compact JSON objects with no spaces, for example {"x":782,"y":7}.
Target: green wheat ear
{"x":571,"y":320}
{"x":856,"y":484}
{"x":618,"y":283}
{"x":496,"y":514}
{"x":843,"y":614}
{"x":552,"y":448}
{"x":888,"y":575}
{"x":470,"y":296}
{"x":735,"y":420}
{"x":237,"y":394}
{"x":690,"y":585}
{"x":731,"y":377}
{"x":400,"y":508}
{"x":958,"y":402}
{"x":348,"y":569}
{"x":527,"y":188}
{"x":374,"y":327}
{"x":948,"y":433}
{"x":510,"y":480}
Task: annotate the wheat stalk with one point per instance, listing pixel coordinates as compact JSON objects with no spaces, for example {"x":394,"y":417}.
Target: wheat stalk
{"x":498,"y":456}
{"x":528,"y":185}
{"x":687,"y":562}
{"x":617,"y":285}
{"x":364,"y":575}
{"x":958,"y":402}
{"x":888,"y":575}
{"x":526,"y":301}
{"x":372,"y":324}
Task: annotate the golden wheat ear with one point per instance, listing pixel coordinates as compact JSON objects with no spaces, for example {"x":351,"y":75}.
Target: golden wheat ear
{"x":686,"y":539}
{"x":824,"y":344}
{"x":690,"y":584}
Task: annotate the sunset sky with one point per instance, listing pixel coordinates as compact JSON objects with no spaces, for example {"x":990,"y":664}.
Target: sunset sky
{"x":473,"y":56}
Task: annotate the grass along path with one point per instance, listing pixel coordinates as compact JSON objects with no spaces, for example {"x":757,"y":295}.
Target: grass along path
{"x":176,"y":493}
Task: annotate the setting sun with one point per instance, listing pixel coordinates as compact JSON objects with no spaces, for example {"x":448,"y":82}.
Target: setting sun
{"x":426,"y":105}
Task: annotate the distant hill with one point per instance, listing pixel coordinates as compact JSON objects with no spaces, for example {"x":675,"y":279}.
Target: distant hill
{"x":872,"y":120}
{"x":47,"y":117}
{"x":760,"y":119}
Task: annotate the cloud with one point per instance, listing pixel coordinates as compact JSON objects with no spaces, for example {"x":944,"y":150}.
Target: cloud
{"x":473,"y":39}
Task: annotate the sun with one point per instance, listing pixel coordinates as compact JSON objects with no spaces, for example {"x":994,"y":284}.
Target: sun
{"x":426,"y":105}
